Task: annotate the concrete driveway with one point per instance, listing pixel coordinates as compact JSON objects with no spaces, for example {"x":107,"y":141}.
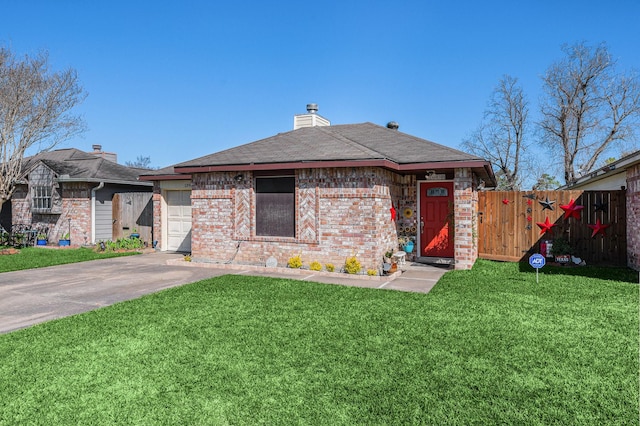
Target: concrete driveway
{"x":37,"y":295}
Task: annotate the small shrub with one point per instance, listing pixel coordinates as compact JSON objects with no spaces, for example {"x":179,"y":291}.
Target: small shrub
{"x":295,"y":262}
{"x":352,"y":266}
{"x":122,"y":244}
{"x":187,"y":258}
{"x":315,"y":266}
{"x":372,"y":272}
{"x":329,"y":267}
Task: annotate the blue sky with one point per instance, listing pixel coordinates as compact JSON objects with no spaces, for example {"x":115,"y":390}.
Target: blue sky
{"x":178,"y":80}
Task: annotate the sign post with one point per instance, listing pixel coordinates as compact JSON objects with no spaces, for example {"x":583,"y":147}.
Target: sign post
{"x":537,"y":261}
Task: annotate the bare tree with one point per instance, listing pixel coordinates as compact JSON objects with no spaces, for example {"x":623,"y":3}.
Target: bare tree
{"x":500,"y":138}
{"x":587,"y":107}
{"x":34,"y":111}
{"x":141,"y":162}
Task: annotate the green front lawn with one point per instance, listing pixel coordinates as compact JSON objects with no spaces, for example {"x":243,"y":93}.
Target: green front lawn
{"x":37,"y":257}
{"x":486,"y":346}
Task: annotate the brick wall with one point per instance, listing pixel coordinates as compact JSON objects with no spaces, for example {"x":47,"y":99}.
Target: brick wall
{"x":340,"y":212}
{"x":633,"y":217}
{"x":465,"y":217}
{"x":75,"y":212}
{"x":156,"y":233}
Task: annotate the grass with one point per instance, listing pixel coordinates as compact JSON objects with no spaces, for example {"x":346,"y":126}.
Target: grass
{"x":34,"y":257}
{"x":486,"y":346}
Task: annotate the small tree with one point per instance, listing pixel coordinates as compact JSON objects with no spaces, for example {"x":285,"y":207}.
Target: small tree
{"x":500,"y":138}
{"x":587,"y":107}
{"x":34,"y":111}
{"x":545,"y":182}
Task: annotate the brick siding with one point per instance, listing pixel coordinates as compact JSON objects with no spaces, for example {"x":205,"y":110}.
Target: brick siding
{"x":340,"y":212}
{"x":76,"y":213}
{"x":465,"y":217}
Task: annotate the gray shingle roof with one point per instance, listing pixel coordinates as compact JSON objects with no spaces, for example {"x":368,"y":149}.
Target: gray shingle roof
{"x":366,"y":141}
{"x":79,"y":165}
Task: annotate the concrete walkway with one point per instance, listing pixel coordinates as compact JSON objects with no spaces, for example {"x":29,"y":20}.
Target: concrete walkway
{"x":37,"y":295}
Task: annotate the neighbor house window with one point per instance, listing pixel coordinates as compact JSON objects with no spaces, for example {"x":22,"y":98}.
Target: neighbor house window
{"x":275,"y":206}
{"x":41,"y":199}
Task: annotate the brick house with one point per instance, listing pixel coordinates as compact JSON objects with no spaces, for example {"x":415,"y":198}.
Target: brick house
{"x":621,"y":174}
{"x":70,"y":191}
{"x":324,"y":192}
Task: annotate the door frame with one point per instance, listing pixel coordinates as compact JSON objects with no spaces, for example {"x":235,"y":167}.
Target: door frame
{"x":419,"y":210}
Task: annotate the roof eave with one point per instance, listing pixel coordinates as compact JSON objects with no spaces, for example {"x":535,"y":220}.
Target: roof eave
{"x":389,"y":164}
{"x":111,"y":181}
{"x":165,"y":177}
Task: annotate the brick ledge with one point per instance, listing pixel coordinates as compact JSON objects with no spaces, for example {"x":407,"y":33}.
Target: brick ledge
{"x":290,"y":271}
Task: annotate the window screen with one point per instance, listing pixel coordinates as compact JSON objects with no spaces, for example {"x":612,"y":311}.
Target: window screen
{"x":275,"y":206}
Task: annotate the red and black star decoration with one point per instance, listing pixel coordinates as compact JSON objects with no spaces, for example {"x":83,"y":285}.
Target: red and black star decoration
{"x":572,"y":210}
{"x":545,"y":226}
{"x":598,"y":228}
{"x":546,"y":204}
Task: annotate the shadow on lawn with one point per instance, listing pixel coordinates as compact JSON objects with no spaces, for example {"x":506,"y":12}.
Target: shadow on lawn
{"x":613,"y":273}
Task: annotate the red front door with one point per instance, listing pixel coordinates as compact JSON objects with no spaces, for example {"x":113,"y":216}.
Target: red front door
{"x":436,"y":219}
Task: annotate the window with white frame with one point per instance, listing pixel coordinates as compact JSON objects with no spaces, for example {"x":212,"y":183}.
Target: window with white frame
{"x":41,"y":199}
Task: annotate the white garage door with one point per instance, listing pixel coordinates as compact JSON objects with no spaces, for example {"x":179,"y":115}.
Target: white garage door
{"x":179,"y":220}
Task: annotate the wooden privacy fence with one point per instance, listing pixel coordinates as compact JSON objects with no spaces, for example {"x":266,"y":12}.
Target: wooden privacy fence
{"x":508,"y":230}
{"x":132,"y":211}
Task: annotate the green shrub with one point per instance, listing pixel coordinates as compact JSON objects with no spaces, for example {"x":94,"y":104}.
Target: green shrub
{"x":295,"y":262}
{"x":372,"y":272}
{"x":315,"y":266}
{"x":123,"y":244}
{"x":352,"y":266}
{"x":329,"y":267}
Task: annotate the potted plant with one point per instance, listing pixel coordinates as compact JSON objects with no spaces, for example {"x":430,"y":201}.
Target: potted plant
{"x":41,"y":239}
{"x":561,"y":250}
{"x":65,"y":240}
{"x":388,"y":265}
{"x":387,"y":256}
{"x":406,"y":244}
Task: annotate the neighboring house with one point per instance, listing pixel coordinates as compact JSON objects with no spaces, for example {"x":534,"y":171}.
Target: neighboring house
{"x":71,"y":191}
{"x":323,"y":192}
{"x":623,"y":174}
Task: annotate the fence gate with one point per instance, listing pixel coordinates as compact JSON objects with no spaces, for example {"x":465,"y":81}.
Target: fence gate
{"x":508,"y":230}
{"x":132,"y":211}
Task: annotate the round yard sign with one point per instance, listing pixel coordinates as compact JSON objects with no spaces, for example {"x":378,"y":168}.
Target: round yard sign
{"x":537,"y":261}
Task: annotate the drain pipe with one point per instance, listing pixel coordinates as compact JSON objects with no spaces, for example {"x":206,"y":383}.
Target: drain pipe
{"x":93,"y":211}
